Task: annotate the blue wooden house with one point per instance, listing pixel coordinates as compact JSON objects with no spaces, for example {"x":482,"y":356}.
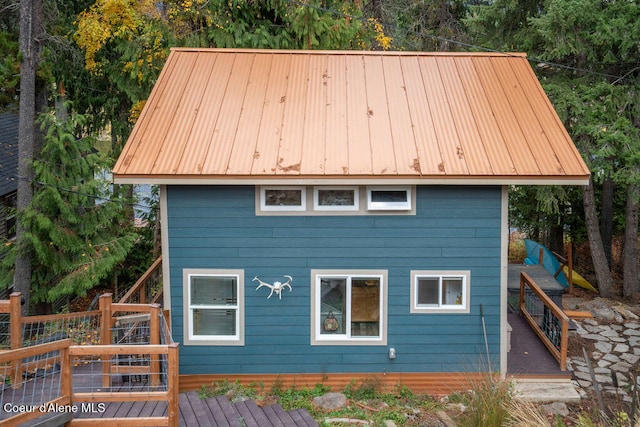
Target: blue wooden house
{"x":329,"y":215}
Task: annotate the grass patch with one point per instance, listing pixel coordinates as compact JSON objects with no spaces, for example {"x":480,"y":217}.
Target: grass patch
{"x":490,"y":403}
{"x":367,"y":400}
{"x":487,"y":404}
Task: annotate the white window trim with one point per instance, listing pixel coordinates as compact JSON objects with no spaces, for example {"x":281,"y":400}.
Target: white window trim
{"x":312,"y":209}
{"x":389,"y":206}
{"x":285,"y":208}
{"x":189,"y":338}
{"x":316,"y":322}
{"x":465,"y":275}
{"x":354,"y":207}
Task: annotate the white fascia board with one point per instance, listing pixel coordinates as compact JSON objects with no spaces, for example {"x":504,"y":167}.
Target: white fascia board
{"x":287,"y":180}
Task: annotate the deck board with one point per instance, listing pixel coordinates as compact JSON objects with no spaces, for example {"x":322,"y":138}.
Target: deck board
{"x":283,"y":416}
{"x":217,"y":412}
{"x":302,"y":418}
{"x":230,"y":413}
{"x":200,"y":410}
{"x":247,"y":416}
{"x":271,"y":415}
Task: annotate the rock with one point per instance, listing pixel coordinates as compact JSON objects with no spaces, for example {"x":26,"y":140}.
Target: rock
{"x":330,"y":401}
{"x":608,"y":332}
{"x":556,"y":408}
{"x":608,"y":314}
{"x":446,"y":420}
{"x":621,"y":348}
{"x":624,"y":312}
{"x":612,"y":358}
{"x":604,"y":347}
{"x":630,"y":358}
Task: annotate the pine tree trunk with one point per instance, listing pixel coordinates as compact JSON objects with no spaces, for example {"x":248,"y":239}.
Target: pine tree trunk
{"x":31,"y":31}
{"x":606,"y":216}
{"x":603,"y":274}
{"x":630,"y":283}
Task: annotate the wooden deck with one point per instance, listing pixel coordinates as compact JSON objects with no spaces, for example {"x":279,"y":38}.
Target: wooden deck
{"x":213,"y":411}
{"x":192,"y":411}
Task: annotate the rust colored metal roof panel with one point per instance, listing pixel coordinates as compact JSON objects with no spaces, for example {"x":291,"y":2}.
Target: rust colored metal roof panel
{"x":406,"y":154}
{"x":549,"y":124}
{"x":508,"y":126}
{"x":292,"y":121}
{"x":266,"y":153}
{"x":525,"y":116}
{"x":489,"y":134}
{"x":242,"y":116}
{"x":358,"y":136}
{"x":307,"y":156}
{"x":225,"y":132}
{"x":382,"y":153}
{"x":246,"y":138}
{"x":212,"y":89}
{"x":336,"y":155}
{"x":453,"y":160}
{"x":428,"y":150}
{"x":472,"y":148}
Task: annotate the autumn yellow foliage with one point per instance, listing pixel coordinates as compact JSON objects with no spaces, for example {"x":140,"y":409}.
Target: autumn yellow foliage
{"x":107,"y":20}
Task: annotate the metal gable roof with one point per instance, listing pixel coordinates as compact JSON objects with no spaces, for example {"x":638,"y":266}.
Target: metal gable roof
{"x":263,"y":116}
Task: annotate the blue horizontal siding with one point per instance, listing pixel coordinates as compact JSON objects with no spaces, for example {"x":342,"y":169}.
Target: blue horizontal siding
{"x":455,"y":228}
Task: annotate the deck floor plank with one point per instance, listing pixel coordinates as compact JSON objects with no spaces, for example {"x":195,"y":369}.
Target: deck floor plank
{"x":218,"y":414}
{"x":258,"y":414}
{"x":248,"y":418}
{"x":186,"y":415}
{"x":201,"y":410}
{"x":110,"y":410}
{"x":136,"y":408}
{"x":272,"y":416}
{"x":284,"y":416}
{"x":148,"y":409}
{"x":229,"y":411}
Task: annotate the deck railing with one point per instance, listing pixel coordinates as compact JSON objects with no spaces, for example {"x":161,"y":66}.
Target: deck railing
{"x":99,"y":350}
{"x":546,"y":319}
{"x":148,"y":288}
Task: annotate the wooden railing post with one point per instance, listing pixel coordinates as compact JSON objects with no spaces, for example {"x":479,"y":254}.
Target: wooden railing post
{"x":105,"y":335}
{"x":15,"y":321}
{"x":172,"y":385}
{"x":154,"y":338}
{"x":66,"y":385}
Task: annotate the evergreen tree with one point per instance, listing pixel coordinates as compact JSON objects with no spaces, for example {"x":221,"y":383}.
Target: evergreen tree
{"x":76,"y":234}
{"x":592,"y":77}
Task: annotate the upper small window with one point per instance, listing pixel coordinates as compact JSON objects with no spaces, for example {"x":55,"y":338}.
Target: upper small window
{"x":282,"y":199}
{"x":335,"y":198}
{"x":389,"y":198}
{"x":438,"y":292}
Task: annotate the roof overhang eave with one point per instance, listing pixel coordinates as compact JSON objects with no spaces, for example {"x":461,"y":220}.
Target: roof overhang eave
{"x":350,"y":180}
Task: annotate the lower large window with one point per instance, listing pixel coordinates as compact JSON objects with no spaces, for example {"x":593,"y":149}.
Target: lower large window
{"x":348,"y":307}
{"x":439,"y":291}
{"x":214,"y":307}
